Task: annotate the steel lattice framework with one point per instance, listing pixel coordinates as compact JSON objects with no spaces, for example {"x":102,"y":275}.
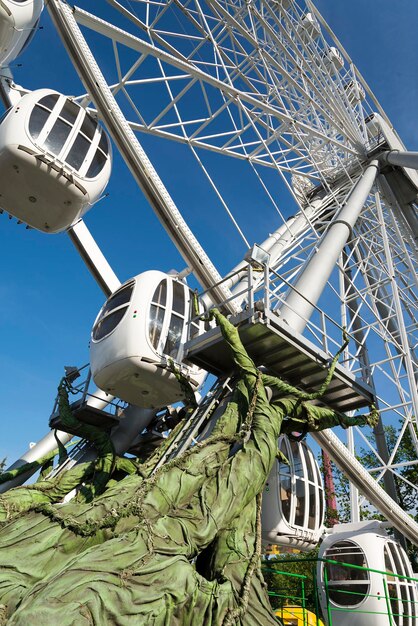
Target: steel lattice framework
{"x":243,"y":79}
{"x":267,"y":83}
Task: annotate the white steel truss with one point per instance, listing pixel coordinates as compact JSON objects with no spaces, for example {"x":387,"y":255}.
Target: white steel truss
{"x":267,"y":83}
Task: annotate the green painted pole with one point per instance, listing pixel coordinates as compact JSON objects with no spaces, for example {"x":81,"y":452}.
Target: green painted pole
{"x":304,"y":603}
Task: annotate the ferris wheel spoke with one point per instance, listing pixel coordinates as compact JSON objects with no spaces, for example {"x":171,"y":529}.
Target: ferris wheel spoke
{"x":312,"y":79}
{"x":244,"y":98}
{"x":302,"y":90}
{"x":268,"y":84}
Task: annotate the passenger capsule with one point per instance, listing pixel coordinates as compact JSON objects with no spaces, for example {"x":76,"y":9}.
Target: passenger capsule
{"x":374,"y":130}
{"x":302,"y":186}
{"x":55,"y":161}
{"x":293,"y":499}
{"x":309,"y":28}
{"x":354,"y":91}
{"x":333,"y":59}
{"x":139,"y":335}
{"x":18,"y":23}
{"x":283,"y":5}
{"x":377,"y":590}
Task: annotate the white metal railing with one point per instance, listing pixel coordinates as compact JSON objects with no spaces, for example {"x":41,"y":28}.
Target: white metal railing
{"x":271,"y":291}
{"x":84,"y":392}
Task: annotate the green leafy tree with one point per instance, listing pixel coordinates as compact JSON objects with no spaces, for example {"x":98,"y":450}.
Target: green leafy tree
{"x":405,"y":480}
{"x":283,"y":573}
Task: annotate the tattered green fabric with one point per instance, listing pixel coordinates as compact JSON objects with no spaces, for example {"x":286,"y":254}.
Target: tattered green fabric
{"x":101,"y":439}
{"x":22,"y":499}
{"x":29,"y":497}
{"x":178,"y":547}
{"x":185,"y":386}
{"x":27,"y":467}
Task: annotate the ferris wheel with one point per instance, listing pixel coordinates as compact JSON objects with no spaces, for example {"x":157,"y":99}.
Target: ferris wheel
{"x":259,"y":95}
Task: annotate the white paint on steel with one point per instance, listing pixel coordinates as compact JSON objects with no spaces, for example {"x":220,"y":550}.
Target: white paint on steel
{"x":94,"y":258}
{"x":314,"y":152}
{"x":36,"y":452}
{"x":297,"y":310}
{"x":132,"y":151}
{"x":401,"y":158}
{"x":366,"y":484}
{"x":301,"y":301}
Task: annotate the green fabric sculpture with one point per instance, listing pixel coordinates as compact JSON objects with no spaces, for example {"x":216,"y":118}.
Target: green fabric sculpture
{"x":176,"y":547}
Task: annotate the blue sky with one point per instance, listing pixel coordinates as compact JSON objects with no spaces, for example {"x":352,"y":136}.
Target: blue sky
{"x":48,"y":301}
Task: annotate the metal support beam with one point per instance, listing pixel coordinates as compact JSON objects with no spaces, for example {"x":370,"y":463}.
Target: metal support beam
{"x":38,"y":451}
{"x":301,"y":301}
{"x":98,"y":400}
{"x":400,"y":158}
{"x":277,"y":243}
{"x":10,"y":94}
{"x":297,"y":310}
{"x":133,"y":421}
{"x":379,"y":433}
{"x":133,"y":153}
{"x":94,"y":258}
{"x":405,"y":214}
{"x":190,"y":69}
{"x":238,"y":276}
{"x":125,"y":434}
{"x":367,"y":485}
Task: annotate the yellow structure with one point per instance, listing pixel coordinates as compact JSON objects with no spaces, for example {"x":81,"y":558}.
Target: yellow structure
{"x":298,"y":616}
{"x":272,"y":549}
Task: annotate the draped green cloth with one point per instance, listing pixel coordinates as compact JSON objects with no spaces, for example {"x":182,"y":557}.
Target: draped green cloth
{"x":178,"y":547}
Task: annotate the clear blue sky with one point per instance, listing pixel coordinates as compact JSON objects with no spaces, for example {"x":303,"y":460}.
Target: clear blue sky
{"x":48,"y":300}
